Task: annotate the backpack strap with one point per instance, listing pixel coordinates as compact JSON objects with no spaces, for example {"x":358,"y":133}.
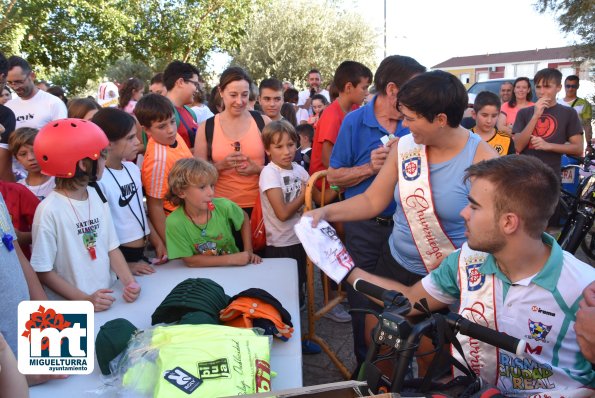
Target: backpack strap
{"x":258,"y":119}
{"x":99,"y":191}
{"x":209,"y":130}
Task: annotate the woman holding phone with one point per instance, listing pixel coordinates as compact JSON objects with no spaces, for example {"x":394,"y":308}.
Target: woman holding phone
{"x":235,"y":146}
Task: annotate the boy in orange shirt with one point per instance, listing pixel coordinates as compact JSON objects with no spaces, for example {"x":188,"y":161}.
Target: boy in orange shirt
{"x":156,"y":115}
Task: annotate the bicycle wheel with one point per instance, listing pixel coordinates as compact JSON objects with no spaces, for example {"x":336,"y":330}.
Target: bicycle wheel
{"x":571,"y":237}
{"x":588,"y":245}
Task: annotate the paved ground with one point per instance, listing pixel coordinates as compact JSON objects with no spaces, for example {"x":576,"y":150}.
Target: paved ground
{"x":318,"y":369}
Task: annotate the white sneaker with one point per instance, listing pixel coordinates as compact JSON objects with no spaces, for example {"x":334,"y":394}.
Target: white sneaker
{"x":338,"y":314}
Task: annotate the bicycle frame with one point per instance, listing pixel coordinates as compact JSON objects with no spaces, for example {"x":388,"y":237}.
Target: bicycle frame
{"x":581,"y":210}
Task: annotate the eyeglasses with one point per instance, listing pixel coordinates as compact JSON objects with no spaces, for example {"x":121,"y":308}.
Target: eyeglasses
{"x":19,"y":83}
{"x":196,"y":84}
{"x":571,"y":85}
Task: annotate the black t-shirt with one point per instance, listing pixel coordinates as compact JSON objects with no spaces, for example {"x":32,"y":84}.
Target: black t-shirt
{"x":7,"y":120}
{"x":556,"y":125}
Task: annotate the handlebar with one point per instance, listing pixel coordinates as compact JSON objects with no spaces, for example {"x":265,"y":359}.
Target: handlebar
{"x":456,"y":321}
{"x":487,"y":335}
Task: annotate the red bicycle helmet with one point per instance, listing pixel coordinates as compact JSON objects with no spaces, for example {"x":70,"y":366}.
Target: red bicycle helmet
{"x":60,"y":144}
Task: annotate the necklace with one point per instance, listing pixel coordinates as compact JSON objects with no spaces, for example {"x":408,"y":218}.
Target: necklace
{"x":203,"y":231}
{"x":39,"y":188}
{"x":89,"y":236}
{"x":140,"y":220}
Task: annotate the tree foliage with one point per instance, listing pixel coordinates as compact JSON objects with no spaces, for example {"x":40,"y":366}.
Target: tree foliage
{"x":68,"y":40}
{"x":186,"y":30}
{"x":575,"y":16}
{"x":287,"y":39}
{"x":72,"y":42}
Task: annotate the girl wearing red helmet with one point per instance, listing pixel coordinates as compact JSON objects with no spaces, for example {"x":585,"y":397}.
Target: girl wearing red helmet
{"x":75,"y":246}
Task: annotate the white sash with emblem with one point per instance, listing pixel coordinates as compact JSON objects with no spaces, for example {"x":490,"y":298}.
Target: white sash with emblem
{"x":477,"y":305}
{"x":415,"y":194}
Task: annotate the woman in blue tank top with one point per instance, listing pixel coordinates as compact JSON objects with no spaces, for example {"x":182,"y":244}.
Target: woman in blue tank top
{"x":432,"y":105}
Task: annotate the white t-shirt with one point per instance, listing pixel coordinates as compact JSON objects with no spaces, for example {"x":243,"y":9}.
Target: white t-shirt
{"x":304,"y":95}
{"x":540,"y":309}
{"x":36,"y":112}
{"x":125,"y":196}
{"x":41,"y":191}
{"x":58,"y":233}
{"x":280,"y":233}
{"x":202,"y":113}
{"x":301,"y":115}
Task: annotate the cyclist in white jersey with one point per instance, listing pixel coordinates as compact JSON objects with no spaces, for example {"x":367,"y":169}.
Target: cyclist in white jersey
{"x":509,"y":276}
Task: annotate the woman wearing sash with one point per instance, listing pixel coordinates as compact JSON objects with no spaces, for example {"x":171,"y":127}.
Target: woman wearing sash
{"x":424,"y":171}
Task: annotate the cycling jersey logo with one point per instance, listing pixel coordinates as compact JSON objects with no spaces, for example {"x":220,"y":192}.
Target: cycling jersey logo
{"x":538,"y":330}
{"x":411,"y":168}
{"x":542,"y":311}
{"x":475,"y":279}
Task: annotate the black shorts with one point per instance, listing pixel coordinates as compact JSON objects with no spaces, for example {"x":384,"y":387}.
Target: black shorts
{"x":133,"y":254}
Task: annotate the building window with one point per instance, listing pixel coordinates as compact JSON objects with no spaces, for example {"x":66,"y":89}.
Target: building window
{"x":527,"y":70}
{"x":465,"y":77}
{"x":482,"y":76}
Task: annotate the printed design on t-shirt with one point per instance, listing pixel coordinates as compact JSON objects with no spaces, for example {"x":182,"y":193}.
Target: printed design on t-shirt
{"x":209,"y":248}
{"x":262,"y":377}
{"x":216,"y":369}
{"x":89,"y":231}
{"x":28,"y":116}
{"x":498,"y":148}
{"x":127,"y":193}
{"x":546,"y":126}
{"x":291,"y":188}
{"x":538,"y":330}
{"x":524,"y":374}
{"x":182,"y":379}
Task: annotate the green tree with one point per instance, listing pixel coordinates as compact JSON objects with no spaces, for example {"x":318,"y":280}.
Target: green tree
{"x":575,"y":16}
{"x":125,"y":68}
{"x":287,"y":39}
{"x":69,"y":41}
{"x":74,"y":42}
{"x":188,"y":30}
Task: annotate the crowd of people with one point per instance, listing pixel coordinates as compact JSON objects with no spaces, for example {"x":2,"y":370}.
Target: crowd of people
{"x":100,"y":180}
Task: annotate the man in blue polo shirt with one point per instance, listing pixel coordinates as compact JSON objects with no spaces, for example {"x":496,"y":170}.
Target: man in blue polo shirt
{"x":360,"y":151}
{"x":513,"y":277}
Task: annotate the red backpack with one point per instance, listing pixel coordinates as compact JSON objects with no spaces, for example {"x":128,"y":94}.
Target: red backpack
{"x":259,"y":235}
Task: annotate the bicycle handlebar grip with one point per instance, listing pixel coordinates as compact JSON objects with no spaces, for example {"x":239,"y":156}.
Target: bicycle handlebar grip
{"x":491,"y":337}
{"x":368,"y":288}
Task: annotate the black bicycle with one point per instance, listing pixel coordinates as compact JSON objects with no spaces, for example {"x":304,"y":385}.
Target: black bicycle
{"x":401,"y":337}
{"x":580,"y":210}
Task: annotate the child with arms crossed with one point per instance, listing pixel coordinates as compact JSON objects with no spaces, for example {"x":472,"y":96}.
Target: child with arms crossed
{"x":199,"y":231}
{"x":121,"y":184}
{"x":75,"y":246}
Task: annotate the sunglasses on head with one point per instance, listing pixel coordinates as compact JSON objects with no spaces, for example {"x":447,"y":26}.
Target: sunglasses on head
{"x":571,"y":85}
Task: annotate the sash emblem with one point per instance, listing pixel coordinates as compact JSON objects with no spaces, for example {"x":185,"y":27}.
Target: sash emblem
{"x":411,"y":165}
{"x":475,"y":279}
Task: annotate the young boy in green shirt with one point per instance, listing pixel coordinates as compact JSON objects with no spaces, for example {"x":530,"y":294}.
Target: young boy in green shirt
{"x":199,"y":231}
